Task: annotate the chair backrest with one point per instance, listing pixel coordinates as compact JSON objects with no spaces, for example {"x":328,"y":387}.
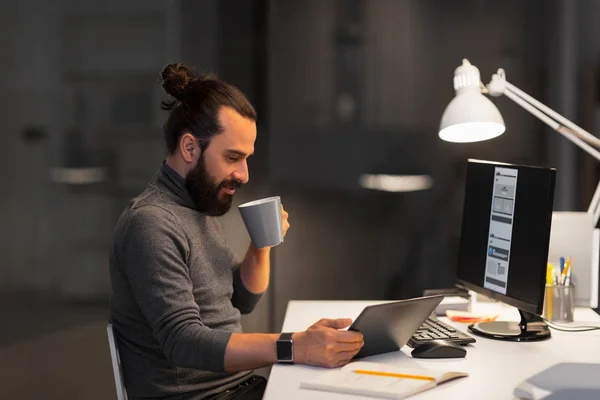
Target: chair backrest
{"x":116,"y":364}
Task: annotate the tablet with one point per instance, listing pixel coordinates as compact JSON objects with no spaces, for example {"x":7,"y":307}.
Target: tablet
{"x":387,"y":327}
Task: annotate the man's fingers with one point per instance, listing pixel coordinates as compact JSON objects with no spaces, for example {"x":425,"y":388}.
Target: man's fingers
{"x":338,"y":323}
{"x":284,"y":217}
{"x":345,"y":357}
{"x":349,"y":336}
{"x":345,"y":347}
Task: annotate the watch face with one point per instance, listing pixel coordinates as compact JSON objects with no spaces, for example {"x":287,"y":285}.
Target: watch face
{"x":284,"y":351}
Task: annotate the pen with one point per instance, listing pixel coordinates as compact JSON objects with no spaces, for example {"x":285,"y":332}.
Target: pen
{"x":568,"y":278}
{"x":562,"y":265}
{"x":393,"y":375}
{"x":565,"y":271}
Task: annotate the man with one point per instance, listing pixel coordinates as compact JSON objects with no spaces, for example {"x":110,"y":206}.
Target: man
{"x":177,"y":289}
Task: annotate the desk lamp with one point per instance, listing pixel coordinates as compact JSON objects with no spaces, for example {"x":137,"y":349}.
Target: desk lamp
{"x":472,"y":117}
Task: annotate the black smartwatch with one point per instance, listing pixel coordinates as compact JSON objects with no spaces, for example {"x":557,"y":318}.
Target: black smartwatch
{"x":285,"y":348}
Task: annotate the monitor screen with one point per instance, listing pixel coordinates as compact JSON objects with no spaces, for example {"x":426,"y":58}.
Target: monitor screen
{"x":505,"y":236}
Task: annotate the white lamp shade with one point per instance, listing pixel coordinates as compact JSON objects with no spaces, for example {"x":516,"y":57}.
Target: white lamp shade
{"x":471,"y":117}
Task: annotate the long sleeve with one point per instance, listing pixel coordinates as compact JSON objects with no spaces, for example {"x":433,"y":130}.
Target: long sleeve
{"x":243,"y":299}
{"x":152,"y":252}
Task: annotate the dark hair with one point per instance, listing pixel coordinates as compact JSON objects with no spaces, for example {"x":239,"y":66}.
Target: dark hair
{"x":198,"y":99}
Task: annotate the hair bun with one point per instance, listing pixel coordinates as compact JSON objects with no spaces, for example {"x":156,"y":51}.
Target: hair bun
{"x":175,"y":79}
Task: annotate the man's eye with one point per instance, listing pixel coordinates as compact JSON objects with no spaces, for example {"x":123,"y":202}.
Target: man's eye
{"x":232,"y":159}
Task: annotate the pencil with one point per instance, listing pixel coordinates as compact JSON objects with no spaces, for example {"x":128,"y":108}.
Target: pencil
{"x":394,"y":375}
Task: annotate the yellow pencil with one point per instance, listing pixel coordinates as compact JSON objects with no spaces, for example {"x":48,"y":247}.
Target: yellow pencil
{"x":393,"y":375}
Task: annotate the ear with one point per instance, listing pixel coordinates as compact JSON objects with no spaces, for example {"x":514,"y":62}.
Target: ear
{"x":188,"y":146}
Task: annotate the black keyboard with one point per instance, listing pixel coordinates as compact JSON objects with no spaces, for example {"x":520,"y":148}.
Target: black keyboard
{"x":433,"y":329}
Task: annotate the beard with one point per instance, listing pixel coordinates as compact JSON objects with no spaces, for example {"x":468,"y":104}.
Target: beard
{"x":206,"y":193}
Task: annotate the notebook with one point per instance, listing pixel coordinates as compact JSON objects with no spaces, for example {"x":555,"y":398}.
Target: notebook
{"x":380,"y":380}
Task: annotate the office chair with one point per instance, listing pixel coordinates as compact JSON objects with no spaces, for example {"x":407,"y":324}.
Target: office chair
{"x":116,"y":364}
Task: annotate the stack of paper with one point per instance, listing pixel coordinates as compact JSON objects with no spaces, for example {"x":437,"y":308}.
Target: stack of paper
{"x":469,"y":317}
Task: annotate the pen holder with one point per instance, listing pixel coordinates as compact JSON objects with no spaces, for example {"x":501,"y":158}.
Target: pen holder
{"x":559,"y":303}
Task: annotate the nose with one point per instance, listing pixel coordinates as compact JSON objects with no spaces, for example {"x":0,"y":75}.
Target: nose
{"x":242,"y":173}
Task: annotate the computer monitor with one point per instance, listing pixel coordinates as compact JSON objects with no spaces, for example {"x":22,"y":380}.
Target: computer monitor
{"x":504,"y":243}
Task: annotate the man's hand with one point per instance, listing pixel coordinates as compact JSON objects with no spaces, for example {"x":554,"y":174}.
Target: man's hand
{"x":256,"y":266}
{"x":284,"y":221}
{"x":322,"y":345}
{"x":325,"y":345}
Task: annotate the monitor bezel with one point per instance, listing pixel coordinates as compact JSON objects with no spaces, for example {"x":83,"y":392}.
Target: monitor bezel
{"x":512,"y":301}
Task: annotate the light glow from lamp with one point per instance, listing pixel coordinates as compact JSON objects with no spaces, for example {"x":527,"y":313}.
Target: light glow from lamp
{"x":466,"y":132}
{"x":470,"y":116}
{"x":396,"y":183}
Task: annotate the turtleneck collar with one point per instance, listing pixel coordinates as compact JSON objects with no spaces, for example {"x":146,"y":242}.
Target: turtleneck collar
{"x":175,"y":185}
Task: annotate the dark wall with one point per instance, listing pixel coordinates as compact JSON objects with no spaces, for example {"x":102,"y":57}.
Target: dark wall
{"x":347,"y":242}
{"x":342,"y":88}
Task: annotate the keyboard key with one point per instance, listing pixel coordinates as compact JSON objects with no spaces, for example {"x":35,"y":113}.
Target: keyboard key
{"x":432,"y":329}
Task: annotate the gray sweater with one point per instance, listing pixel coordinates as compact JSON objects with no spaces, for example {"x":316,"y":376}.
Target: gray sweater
{"x":177,"y":295}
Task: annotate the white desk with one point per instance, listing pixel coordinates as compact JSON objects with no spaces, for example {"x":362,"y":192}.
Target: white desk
{"x":494,"y":367}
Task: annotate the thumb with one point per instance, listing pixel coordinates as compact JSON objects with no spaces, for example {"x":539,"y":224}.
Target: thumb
{"x":338,"y":323}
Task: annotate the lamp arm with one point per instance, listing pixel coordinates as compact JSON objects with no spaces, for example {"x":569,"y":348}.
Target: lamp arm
{"x":553,"y":124}
{"x":595,"y":205}
{"x":566,"y":128}
{"x":577,"y":130}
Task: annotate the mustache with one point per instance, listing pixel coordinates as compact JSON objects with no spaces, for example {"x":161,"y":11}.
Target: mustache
{"x":231,"y":184}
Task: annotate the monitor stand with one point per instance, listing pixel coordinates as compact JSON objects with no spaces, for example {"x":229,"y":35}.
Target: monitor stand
{"x":531,"y":328}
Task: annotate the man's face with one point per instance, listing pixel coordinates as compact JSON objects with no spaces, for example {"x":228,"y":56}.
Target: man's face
{"x":222,"y":167}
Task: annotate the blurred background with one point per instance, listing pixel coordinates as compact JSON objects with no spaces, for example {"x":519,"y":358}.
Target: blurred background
{"x":343,"y":88}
